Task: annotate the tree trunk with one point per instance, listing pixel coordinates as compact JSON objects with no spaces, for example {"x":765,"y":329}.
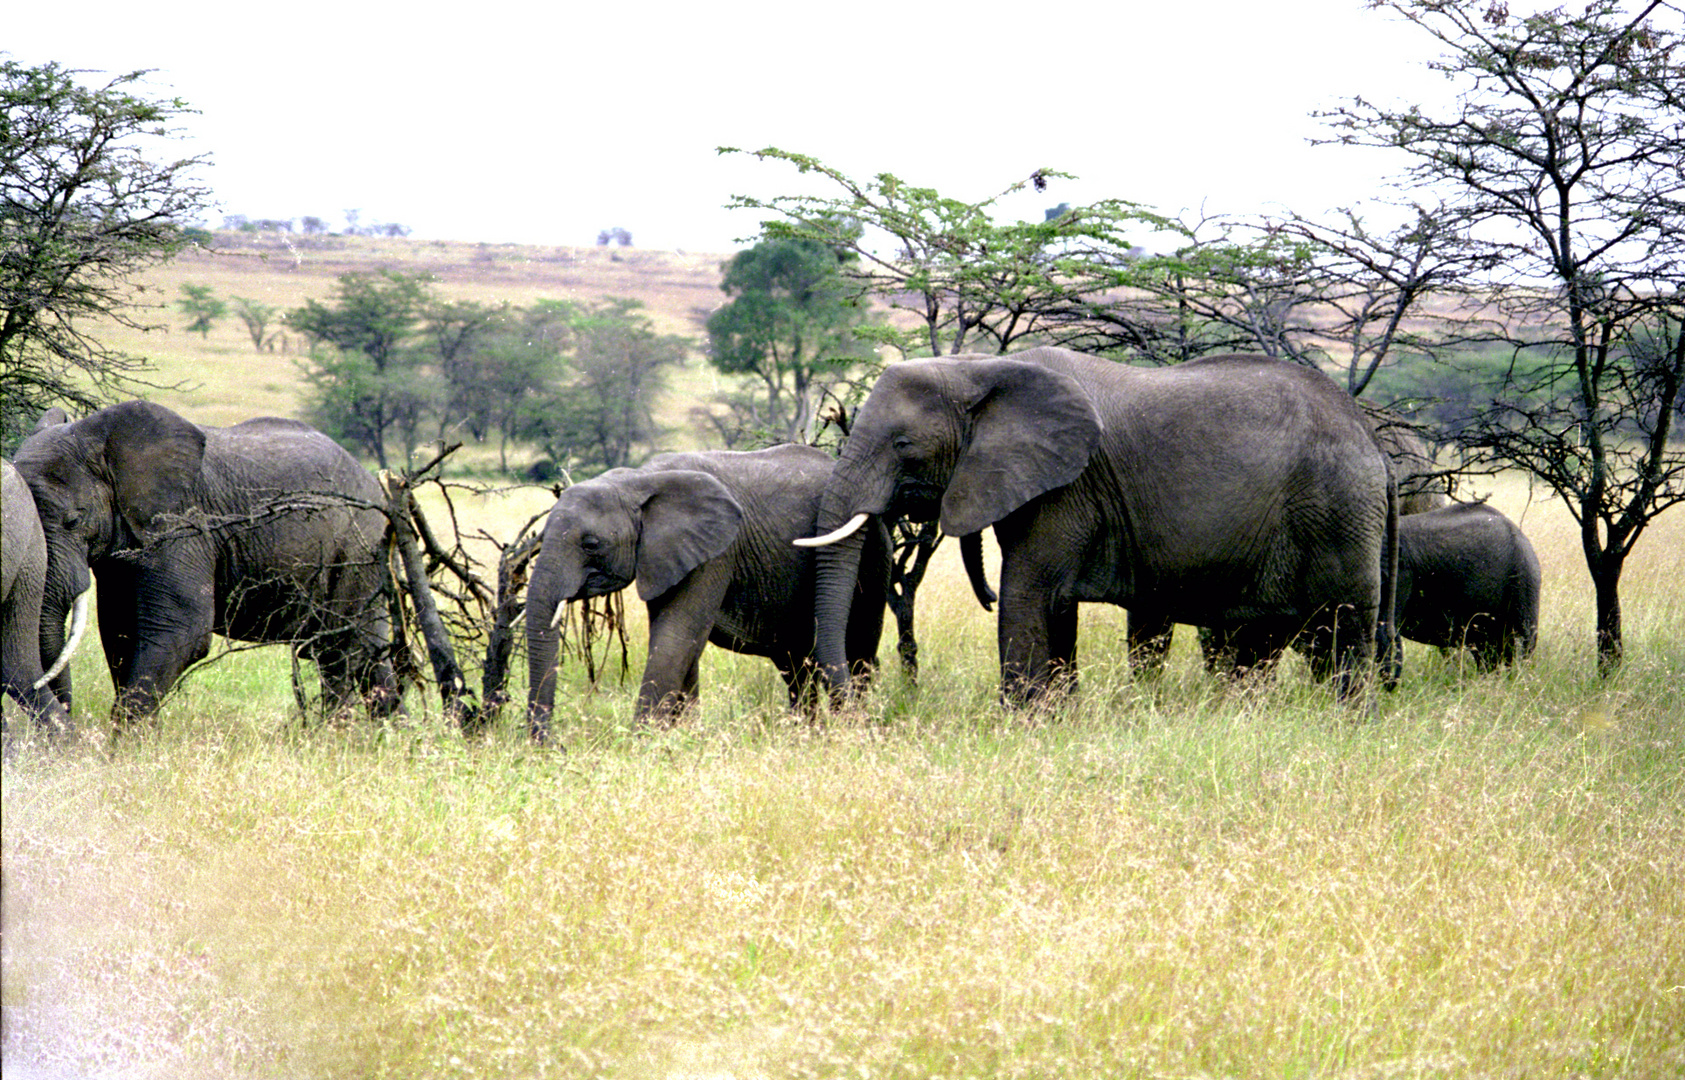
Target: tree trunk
{"x":1606,"y":579}
{"x":453,"y":688}
{"x":500,"y":642}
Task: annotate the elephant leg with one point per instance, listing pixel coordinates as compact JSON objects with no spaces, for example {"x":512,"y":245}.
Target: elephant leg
{"x":1150,"y":635}
{"x":1354,"y":649}
{"x":1037,"y":647}
{"x":680,"y":621}
{"x":172,"y":631}
{"x":355,"y":672}
{"x":1241,"y":650}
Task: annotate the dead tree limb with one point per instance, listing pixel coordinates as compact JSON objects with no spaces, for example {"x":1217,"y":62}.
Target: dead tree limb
{"x":400,"y":510}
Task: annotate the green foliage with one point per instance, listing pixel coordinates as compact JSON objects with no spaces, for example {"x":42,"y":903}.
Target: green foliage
{"x":512,"y":357}
{"x":368,"y":371}
{"x":201,"y":308}
{"x":790,"y":323}
{"x":389,"y":357}
{"x":83,"y":210}
{"x":601,"y":417}
{"x":966,"y":279}
{"x":256,"y":317}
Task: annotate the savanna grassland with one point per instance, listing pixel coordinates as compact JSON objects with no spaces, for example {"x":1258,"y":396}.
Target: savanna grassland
{"x":1162,"y":878}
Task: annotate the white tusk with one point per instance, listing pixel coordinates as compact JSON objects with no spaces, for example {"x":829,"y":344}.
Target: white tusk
{"x":78,"y":627}
{"x":848,"y":529}
{"x":556,"y":619}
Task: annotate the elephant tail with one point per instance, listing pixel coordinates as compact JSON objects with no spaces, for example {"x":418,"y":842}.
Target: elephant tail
{"x":1389,"y":647}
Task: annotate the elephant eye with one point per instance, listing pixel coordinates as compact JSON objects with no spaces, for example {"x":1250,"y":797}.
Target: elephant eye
{"x":590,"y":543}
{"x":902,"y":444}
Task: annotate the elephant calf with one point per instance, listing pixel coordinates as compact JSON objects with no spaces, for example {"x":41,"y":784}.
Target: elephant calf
{"x":708,"y":537}
{"x":1467,"y":577}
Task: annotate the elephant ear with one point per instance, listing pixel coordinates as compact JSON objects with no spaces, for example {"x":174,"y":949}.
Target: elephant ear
{"x":688,"y":518}
{"x":52,"y":418}
{"x":152,"y":457}
{"x":1032,"y":430}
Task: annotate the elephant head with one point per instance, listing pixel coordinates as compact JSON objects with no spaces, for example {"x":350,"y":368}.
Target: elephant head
{"x":100,"y":485}
{"x":965,"y":440}
{"x":23,"y":553}
{"x":623,"y":526}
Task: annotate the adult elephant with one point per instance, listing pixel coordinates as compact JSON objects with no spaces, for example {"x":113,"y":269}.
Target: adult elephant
{"x":708,"y":537}
{"x":1238,"y":649}
{"x":263,"y":532}
{"x":1468,"y":577}
{"x":23,"y":560}
{"x":1228,"y":489}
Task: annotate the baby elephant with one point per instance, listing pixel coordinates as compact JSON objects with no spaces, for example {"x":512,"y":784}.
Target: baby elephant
{"x":1468,"y":577}
{"x":708,"y":537}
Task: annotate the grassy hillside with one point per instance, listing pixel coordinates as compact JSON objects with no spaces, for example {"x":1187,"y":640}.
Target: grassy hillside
{"x":220,"y":379}
{"x":1162,"y":878}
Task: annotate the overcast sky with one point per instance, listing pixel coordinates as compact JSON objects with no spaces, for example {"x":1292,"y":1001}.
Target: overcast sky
{"x":544,"y":124}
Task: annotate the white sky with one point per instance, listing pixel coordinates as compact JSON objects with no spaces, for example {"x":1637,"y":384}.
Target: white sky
{"x":534,"y":123}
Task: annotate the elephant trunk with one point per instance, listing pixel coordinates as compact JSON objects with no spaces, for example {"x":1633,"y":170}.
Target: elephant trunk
{"x":837,"y":569}
{"x":542,"y":636}
{"x":67,"y":586}
{"x":851,"y":496}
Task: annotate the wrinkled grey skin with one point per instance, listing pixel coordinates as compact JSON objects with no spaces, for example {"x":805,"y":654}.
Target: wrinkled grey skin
{"x":199,"y":530}
{"x":1468,"y":577}
{"x":1227,"y":490}
{"x":708,"y":537}
{"x":1233,"y":650}
{"x":23,"y":558}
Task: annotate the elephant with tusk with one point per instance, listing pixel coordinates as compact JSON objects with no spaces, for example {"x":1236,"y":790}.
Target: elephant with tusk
{"x":708,"y":538}
{"x":1231,"y":489}
{"x":23,"y":555}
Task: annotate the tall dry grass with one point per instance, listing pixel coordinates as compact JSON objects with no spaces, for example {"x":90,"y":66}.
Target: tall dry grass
{"x":1162,"y":878}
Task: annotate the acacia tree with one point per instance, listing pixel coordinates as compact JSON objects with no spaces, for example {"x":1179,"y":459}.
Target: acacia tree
{"x":966,"y":280}
{"x":1560,"y":157}
{"x":601,"y":415}
{"x":369,"y":380}
{"x":969,"y":281}
{"x":790,"y":322}
{"x":256,"y":316}
{"x":202,"y":308}
{"x":83,"y":211}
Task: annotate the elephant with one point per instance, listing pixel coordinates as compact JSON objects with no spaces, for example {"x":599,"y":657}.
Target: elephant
{"x":23,"y":557}
{"x":1224,"y":490}
{"x":1468,"y":577}
{"x":707,"y":536}
{"x":1233,"y":650}
{"x":266,"y":531}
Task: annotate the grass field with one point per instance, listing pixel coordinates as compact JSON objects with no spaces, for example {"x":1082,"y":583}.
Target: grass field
{"x":1168,"y":878}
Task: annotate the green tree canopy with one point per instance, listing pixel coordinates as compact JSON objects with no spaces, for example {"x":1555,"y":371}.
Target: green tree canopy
{"x":602,"y":417}
{"x":202,"y":308}
{"x":83,"y":211}
{"x":970,"y":281}
{"x":368,"y":375}
{"x":790,"y":323}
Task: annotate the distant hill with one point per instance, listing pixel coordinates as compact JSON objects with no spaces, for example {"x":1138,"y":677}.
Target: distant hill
{"x":222,"y":379}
